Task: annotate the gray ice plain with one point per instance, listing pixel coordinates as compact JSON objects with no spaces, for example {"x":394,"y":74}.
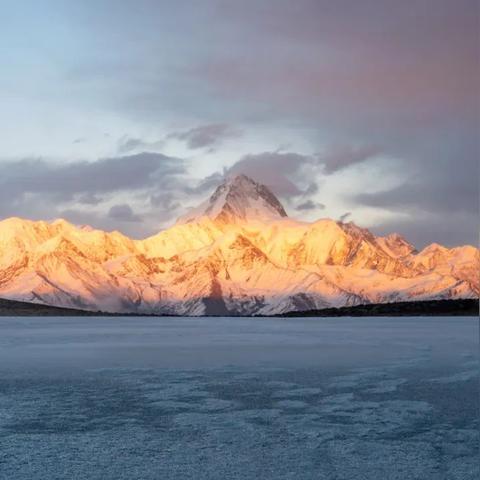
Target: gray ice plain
{"x":239,"y":398}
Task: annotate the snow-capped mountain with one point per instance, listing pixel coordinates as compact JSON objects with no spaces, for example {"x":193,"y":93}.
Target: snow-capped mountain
{"x":238,"y":199}
{"x":237,"y":253}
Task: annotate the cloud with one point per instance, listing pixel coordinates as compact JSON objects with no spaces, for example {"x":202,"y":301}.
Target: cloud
{"x":441,"y":194}
{"x":65,"y":180}
{"x":83,"y":191}
{"x":311,"y":189}
{"x":350,"y":65}
{"x":206,"y":135}
{"x":199,"y":137}
{"x":308,"y":73}
{"x":340,"y":158}
{"x":206,"y":185}
{"x":310,"y":205}
{"x":285,"y":171}
{"x":345,"y":216}
{"x":280,"y":171}
{"x":89,"y":199}
{"x":123,"y":213}
{"x":424,"y":213}
{"x":168,"y":200}
{"x":128,"y":144}
{"x":422,"y":228}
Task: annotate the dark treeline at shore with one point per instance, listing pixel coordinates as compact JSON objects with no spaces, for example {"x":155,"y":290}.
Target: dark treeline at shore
{"x":465,"y":307}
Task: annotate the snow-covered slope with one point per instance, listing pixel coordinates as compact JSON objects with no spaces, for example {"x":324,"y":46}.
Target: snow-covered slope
{"x":238,"y":253}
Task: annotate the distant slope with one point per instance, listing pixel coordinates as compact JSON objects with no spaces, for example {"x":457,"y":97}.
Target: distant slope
{"x":12,"y":308}
{"x":464,"y":307}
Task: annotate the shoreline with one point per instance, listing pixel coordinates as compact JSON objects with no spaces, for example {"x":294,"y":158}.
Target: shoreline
{"x":457,"y":307}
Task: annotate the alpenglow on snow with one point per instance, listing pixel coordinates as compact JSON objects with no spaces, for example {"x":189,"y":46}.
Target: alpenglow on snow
{"x":237,"y":253}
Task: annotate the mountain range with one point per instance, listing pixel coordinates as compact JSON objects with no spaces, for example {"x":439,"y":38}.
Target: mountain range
{"x":238,"y":253}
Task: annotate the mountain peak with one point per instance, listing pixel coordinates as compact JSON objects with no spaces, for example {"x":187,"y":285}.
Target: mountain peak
{"x":238,"y":198}
{"x":395,"y":245}
{"x":239,"y":179}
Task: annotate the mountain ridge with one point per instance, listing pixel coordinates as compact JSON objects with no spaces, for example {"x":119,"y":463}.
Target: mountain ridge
{"x":238,"y":252}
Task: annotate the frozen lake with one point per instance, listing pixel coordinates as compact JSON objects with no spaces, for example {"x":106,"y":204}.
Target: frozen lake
{"x":232,"y":398}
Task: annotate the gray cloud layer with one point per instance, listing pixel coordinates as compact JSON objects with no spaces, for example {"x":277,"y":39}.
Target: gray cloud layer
{"x":375,"y":77}
{"x":43,"y":189}
{"x":63,"y":181}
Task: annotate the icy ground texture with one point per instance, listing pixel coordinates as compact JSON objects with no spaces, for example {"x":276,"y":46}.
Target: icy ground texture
{"x":239,"y":399}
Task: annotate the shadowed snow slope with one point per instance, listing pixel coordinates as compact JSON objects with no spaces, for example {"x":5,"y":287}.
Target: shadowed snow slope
{"x":236,"y":253}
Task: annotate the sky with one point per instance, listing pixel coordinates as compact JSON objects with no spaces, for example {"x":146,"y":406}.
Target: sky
{"x":123,"y":114}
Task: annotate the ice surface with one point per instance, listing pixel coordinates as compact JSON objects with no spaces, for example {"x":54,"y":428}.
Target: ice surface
{"x":170,"y":398}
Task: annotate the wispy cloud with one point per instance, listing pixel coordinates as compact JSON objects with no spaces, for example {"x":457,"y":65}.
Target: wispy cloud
{"x":309,"y":205}
{"x":339,"y":158}
{"x":127,"y":144}
{"x":206,"y":135}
